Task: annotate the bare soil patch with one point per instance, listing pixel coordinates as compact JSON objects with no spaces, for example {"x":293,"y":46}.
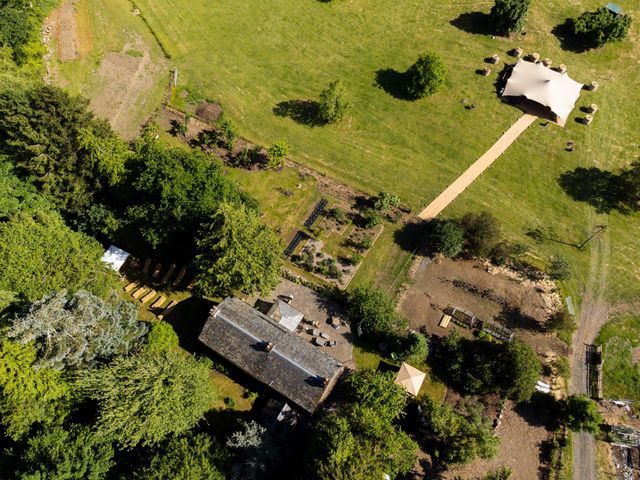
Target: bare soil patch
{"x":124,"y":81}
{"x":64,"y":30}
{"x":488,"y":292}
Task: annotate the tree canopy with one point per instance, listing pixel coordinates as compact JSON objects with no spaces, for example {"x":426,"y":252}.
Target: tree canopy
{"x":28,"y":395}
{"x":236,"y":251}
{"x":333,"y":104}
{"x":144,"y":398}
{"x":78,"y":330}
{"x":192,"y":457}
{"x":374,"y":311}
{"x":40,"y":255}
{"x":73,"y":453}
{"x":454,"y":438}
{"x":172,"y":191}
{"x":508,"y":16}
{"x":601,"y":26}
{"x":426,"y":76}
{"x":481,"y":366}
{"x":360,"y":441}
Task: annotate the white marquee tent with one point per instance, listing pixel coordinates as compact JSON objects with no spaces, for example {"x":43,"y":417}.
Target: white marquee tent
{"x":554,"y":90}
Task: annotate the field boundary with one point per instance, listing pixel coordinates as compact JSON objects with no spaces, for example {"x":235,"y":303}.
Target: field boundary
{"x":164,"y":49}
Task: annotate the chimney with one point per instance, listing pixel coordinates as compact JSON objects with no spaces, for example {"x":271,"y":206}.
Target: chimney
{"x":268,"y":347}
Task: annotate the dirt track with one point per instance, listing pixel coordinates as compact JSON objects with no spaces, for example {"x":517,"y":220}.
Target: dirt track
{"x":593,"y":315}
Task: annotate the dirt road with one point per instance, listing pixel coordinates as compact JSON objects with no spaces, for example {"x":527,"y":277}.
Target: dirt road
{"x":479,"y":166}
{"x":593,"y":315}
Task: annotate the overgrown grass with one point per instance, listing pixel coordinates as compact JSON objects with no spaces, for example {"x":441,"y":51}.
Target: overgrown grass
{"x":255,"y":54}
{"x":619,"y":338}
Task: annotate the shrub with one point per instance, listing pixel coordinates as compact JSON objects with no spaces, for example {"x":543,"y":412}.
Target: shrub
{"x":426,"y":76}
{"x":366,"y":243}
{"x":559,"y":268}
{"x":371,"y":218}
{"x":600,"y":27}
{"x":482,"y":233}
{"x":448,"y":238}
{"x":333,"y":105}
{"x":384,"y":201}
{"x":508,"y":16}
{"x":276,"y":153}
{"x":338,"y":214}
{"x":374,"y":311}
{"x":581,"y":413}
{"x":229,"y":402}
{"x":226,"y":133}
{"x":161,"y":337}
{"x":559,"y":321}
{"x":412,"y":348}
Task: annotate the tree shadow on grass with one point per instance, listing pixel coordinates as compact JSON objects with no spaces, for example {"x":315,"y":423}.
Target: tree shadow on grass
{"x":473,"y":22}
{"x":568,"y":40}
{"x":304,"y":112}
{"x":604,"y":190}
{"x":394,"y":83}
{"x":410,"y":236}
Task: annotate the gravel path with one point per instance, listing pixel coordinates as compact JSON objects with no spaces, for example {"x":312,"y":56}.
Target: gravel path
{"x":475,"y":170}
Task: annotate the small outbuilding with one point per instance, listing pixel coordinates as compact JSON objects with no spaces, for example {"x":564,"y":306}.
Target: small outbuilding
{"x":410,"y":378}
{"x":115,"y":257}
{"x":542,"y":91}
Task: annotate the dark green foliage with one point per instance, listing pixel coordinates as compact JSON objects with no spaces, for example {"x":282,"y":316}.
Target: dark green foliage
{"x":237,"y":252}
{"x":28,"y":395}
{"x":359,"y":441}
{"x":479,"y":366}
{"x":600,"y":27}
{"x":426,"y":76}
{"x":144,"y":398}
{"x":17,"y":196}
{"x":384,"y":201}
{"x":561,"y":320}
{"x":581,"y":413}
{"x":338,"y":214}
{"x":378,"y":391}
{"x":453,"y":438}
{"x":161,"y":337}
{"x":482,"y":233}
{"x":193,"y":457}
{"x":412,"y":348}
{"x":374,"y":311}
{"x":223,"y":135}
{"x":173,"y":191}
{"x":371,"y":218}
{"x":448,"y":238}
{"x":58,"y":145}
{"x":78,"y":330}
{"x":40,"y":255}
{"x":20,"y":25}
{"x":508,"y":16}
{"x":76,"y":453}
{"x":333,"y":105}
{"x":276,"y":153}
{"x":559,"y":268}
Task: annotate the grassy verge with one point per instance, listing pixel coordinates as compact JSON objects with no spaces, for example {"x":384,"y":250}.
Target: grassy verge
{"x":620,"y":340}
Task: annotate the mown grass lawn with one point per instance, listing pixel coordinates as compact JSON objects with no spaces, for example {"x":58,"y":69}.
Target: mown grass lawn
{"x":620,"y":340}
{"x":254,"y":54}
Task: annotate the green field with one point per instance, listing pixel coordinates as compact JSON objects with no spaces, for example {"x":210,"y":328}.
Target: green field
{"x":620,"y":340}
{"x":254,"y":54}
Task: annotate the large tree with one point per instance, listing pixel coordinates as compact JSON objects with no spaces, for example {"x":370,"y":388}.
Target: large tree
{"x":508,"y":16}
{"x":482,"y":233}
{"x":28,"y":395}
{"x":170,"y":192}
{"x":253,"y":450}
{"x":236,"y":251}
{"x":192,"y":457}
{"x":600,"y":27}
{"x":78,"y":330}
{"x":58,"y":145}
{"x":144,"y":398}
{"x":375,"y":311}
{"x":579,"y":412}
{"x":73,"y":453}
{"x":454,"y":438}
{"x":39,"y":255}
{"x":360,"y":440}
{"x":426,"y":76}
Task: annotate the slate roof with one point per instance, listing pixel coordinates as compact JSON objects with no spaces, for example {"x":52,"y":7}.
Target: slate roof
{"x":300,"y":372}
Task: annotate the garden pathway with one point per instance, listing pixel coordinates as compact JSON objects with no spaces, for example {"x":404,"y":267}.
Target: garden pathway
{"x":474,"y":171}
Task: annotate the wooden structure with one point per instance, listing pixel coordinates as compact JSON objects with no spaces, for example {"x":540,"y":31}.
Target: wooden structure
{"x":594,"y":360}
{"x":444,"y":321}
{"x":497,"y":330}
{"x":147,"y":266}
{"x":158,"y":303}
{"x":462,"y":317}
{"x":181,"y":274}
{"x":169,"y":273}
{"x":131,"y":286}
{"x":156,"y":272}
{"x":148,"y":296}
